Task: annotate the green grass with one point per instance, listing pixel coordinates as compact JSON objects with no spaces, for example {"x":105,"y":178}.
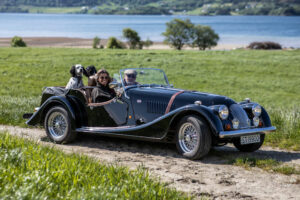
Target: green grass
{"x":271,"y":78}
{"x":31,"y":171}
{"x":58,"y":10}
{"x":270,"y":165}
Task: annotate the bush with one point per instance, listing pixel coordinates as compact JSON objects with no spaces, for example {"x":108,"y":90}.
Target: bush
{"x":133,"y":38}
{"x":147,"y":43}
{"x":114,"y":43}
{"x":17,"y":42}
{"x":264,"y":45}
{"x":96,"y":43}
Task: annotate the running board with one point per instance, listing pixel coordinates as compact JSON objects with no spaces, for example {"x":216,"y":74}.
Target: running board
{"x":121,"y":131}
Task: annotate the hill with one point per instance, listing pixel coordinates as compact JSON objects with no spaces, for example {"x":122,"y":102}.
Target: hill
{"x":166,"y":7}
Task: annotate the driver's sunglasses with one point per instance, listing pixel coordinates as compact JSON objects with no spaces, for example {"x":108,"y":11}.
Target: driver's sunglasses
{"x":103,"y":77}
{"x":131,"y":75}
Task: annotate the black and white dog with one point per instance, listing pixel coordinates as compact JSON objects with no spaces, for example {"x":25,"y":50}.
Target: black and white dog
{"x":76,"y":79}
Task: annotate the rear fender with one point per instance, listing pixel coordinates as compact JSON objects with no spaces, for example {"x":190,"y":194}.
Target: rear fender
{"x":39,"y":116}
{"x":212,"y":119}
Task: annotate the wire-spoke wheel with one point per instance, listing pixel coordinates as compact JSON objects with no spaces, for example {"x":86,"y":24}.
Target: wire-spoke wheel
{"x":188,"y":137}
{"x":193,"y":139}
{"x":57,"y":125}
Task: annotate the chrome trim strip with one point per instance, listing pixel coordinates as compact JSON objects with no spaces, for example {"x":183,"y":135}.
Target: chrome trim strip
{"x":237,"y":133}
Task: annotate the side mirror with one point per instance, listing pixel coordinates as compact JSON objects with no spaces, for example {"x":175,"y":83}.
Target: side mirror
{"x":171,"y":85}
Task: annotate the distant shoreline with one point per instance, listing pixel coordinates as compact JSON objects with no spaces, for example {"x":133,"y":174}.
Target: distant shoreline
{"x":68,"y":42}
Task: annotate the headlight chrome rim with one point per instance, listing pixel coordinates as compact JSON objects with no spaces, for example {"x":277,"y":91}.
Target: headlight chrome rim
{"x":256,"y":110}
{"x":223,"y":112}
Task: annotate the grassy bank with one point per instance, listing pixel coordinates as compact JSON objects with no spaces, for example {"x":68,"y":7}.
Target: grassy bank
{"x":271,"y":78}
{"x":270,"y":165}
{"x":31,"y":171}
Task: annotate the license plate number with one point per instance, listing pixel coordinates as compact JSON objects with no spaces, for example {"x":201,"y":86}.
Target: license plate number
{"x":249,"y":139}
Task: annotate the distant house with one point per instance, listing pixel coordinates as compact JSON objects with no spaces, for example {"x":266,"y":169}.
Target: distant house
{"x":84,"y":8}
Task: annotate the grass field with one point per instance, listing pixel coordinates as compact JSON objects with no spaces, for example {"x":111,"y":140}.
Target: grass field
{"x":271,"y":78}
{"x":31,"y":171}
{"x":58,"y":10}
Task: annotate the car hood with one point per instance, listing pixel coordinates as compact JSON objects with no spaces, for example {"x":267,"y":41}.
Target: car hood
{"x":187,"y":97}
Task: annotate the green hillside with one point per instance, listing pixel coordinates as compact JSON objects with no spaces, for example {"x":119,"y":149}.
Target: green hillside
{"x":166,"y":7}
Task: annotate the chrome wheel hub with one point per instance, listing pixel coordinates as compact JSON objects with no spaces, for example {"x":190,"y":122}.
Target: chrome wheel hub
{"x":188,"y":137}
{"x":57,"y":124}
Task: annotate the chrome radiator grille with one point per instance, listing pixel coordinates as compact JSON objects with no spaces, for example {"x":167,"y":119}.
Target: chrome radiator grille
{"x":238,"y":112}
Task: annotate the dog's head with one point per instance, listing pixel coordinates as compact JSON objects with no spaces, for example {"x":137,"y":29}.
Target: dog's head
{"x":76,"y":70}
{"x":91,"y":70}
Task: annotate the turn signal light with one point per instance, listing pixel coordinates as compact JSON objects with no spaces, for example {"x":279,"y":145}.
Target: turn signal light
{"x":260,"y":124}
{"x":227,"y":127}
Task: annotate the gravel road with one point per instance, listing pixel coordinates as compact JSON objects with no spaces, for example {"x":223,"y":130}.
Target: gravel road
{"x":211,"y":176}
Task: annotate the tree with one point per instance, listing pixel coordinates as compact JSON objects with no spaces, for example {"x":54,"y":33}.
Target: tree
{"x":17,"y":42}
{"x":204,"y":37}
{"x":178,"y":33}
{"x":133,"y":38}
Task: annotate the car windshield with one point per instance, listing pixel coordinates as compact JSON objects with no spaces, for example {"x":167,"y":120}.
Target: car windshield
{"x":143,"y":76}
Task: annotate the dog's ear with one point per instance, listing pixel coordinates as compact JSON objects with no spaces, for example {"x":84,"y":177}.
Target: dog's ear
{"x":85,"y":72}
{"x":93,"y":71}
{"x":72,"y":71}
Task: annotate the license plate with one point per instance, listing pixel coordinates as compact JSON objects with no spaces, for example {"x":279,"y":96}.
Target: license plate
{"x":249,"y":139}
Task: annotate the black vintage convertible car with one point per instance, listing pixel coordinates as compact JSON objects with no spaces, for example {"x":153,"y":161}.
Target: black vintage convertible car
{"x":153,"y":110}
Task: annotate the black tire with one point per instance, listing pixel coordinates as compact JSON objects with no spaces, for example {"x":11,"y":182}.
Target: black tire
{"x":58,"y":126}
{"x":249,"y":147}
{"x":199,"y":131}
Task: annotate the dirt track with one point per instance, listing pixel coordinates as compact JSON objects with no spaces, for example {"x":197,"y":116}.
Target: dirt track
{"x":210,"y":176}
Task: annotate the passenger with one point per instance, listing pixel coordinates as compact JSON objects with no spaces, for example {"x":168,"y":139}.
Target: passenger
{"x":102,"y":92}
{"x":130,"y":77}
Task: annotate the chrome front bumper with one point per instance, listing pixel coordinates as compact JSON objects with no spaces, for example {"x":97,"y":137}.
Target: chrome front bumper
{"x":238,"y":133}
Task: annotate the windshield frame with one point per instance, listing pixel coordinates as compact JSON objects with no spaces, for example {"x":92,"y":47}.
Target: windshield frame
{"x":144,"y":68}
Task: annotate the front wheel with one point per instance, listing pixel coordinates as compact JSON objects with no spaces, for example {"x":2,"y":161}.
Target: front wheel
{"x":193,"y":138}
{"x":57,"y":125}
{"x":249,"y":147}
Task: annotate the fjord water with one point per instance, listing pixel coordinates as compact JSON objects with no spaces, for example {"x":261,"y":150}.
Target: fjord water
{"x":231,"y":29}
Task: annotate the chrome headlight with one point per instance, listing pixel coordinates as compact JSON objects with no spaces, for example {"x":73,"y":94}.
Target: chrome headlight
{"x":235,"y":123}
{"x":256,"y":110}
{"x":223,"y":112}
{"x":256,"y":121}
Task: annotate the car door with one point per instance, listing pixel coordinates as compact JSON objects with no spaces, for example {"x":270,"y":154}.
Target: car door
{"x":112,"y":113}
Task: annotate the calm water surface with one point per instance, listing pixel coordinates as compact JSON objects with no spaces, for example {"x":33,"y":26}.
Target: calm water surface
{"x":232,"y":29}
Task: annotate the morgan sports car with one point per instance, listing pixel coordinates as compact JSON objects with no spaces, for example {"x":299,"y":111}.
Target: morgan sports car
{"x":152,"y":110}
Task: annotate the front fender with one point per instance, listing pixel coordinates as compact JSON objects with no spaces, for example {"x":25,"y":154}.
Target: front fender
{"x":264,"y":114}
{"x":212,"y":119}
{"x":38,"y":117}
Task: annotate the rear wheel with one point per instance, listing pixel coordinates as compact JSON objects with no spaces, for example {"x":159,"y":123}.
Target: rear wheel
{"x":57,"y":125}
{"x":193,"y":138}
{"x":249,"y":147}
